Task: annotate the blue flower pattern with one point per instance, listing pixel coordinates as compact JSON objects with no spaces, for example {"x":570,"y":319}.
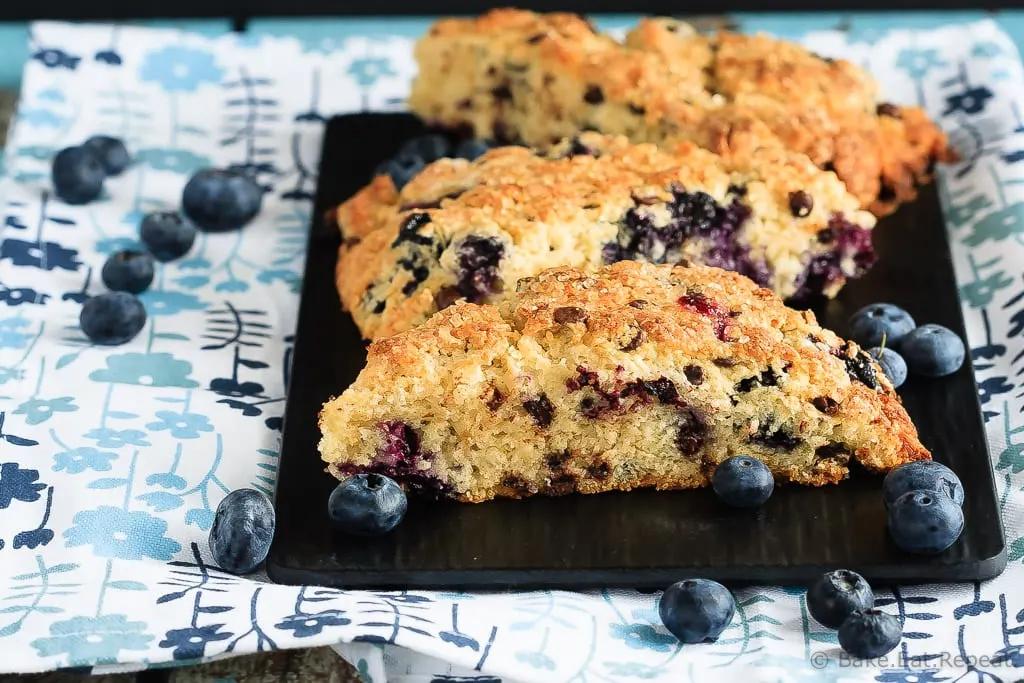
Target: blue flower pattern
{"x":132,"y":448}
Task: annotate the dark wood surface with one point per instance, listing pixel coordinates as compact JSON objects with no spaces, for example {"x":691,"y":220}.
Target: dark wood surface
{"x":643,"y":539}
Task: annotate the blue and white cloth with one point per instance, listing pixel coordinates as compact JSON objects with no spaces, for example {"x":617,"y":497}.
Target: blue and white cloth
{"x":113,"y":460}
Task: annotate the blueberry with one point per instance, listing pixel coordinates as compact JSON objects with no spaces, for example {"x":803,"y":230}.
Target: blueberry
{"x":112,"y":318}
{"x":218,"y":200}
{"x":870,"y":324}
{"x":167,"y":235}
{"x":922,"y":475}
{"x":696,"y":610}
{"x":367,"y":505}
{"x":430,"y":148}
{"x":472,"y":149}
{"x":933,"y":351}
{"x":836,"y":595}
{"x":870,"y":633}
{"x":128,"y":271}
{"x":893,"y":365}
{"x":242,"y":530}
{"x":402,"y":169}
{"x":742,"y":481}
{"x":78,"y":175}
{"x":111,"y":152}
{"x":925,"y":522}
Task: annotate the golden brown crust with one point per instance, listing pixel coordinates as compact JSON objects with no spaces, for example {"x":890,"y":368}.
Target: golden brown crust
{"x":609,"y":201}
{"x":540,"y":78}
{"x":635,"y":375}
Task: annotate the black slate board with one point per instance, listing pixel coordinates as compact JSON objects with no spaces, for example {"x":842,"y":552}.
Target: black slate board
{"x":642,"y":539}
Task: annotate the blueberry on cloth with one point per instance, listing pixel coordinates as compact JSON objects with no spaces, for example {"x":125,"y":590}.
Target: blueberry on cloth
{"x":430,"y":148}
{"x":742,"y":481}
{"x":367,"y":505}
{"x":925,"y":522}
{"x":870,"y":633}
{"x":696,"y":610}
{"x":112,"y":318}
{"x":401,"y":169}
{"x":128,"y":271}
{"x":933,"y":351}
{"x":836,"y":595}
{"x":78,"y":175}
{"x":871,"y":324}
{"x":922,"y":475}
{"x":111,"y":152}
{"x":242,"y":530}
{"x":167,"y":234}
{"x":218,"y":200}
{"x":892,"y":363}
{"x":472,"y":149}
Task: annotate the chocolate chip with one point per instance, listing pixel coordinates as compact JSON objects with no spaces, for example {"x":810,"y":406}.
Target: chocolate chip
{"x":690,"y":434}
{"x":409,"y":230}
{"x":637,"y":303}
{"x":800,"y":203}
{"x":379,"y":307}
{"x":833,"y":451}
{"x":694,"y":374}
{"x":561,"y":485}
{"x":637,"y":109}
{"x":738,"y":190}
{"x":548,"y":79}
{"x":593,"y":95}
{"x":634,"y":343}
{"x":496,"y":399}
{"x":778,"y":438}
{"x":536,"y":38}
{"x":556,"y":461}
{"x":519,"y":485}
{"x":541,"y":410}
{"x":826,"y":235}
{"x":599,"y":471}
{"x":889,"y":109}
{"x":885,"y":192}
{"x":502,"y":93}
{"x":725,"y":362}
{"x":826,"y":404}
{"x":569,"y":314}
{"x":492,"y":71}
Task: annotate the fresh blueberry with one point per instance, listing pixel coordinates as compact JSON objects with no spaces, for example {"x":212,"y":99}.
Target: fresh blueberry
{"x":742,"y":481}
{"x":838,"y":594}
{"x":870,"y":633}
{"x":922,"y":475}
{"x":402,"y":169}
{"x":472,"y":149}
{"x":242,"y":530}
{"x":933,"y":351}
{"x":78,"y":175}
{"x":218,"y":200}
{"x":367,"y":505}
{"x":112,"y":318}
{"x":111,"y":152}
{"x":128,"y":271}
{"x":430,"y":148}
{"x":925,"y":522}
{"x":871,"y":324}
{"x":167,"y":234}
{"x":696,"y":610}
{"x":893,"y":365}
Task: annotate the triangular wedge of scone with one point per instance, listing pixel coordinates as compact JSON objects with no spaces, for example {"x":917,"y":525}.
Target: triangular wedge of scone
{"x":634,"y":376}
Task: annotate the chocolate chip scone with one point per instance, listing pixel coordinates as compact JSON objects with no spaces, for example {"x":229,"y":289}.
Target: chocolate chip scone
{"x":472,"y":229}
{"x":634,"y":376}
{"x":516,"y":75}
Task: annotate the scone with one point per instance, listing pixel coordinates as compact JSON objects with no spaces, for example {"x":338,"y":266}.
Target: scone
{"x":635,"y":376}
{"x":516,"y":75}
{"x":471,"y":230}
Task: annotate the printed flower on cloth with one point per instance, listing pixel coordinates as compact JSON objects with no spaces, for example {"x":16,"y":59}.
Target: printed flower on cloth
{"x":113,"y":460}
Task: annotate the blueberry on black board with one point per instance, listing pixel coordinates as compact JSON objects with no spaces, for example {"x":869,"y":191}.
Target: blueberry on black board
{"x":128,"y":271}
{"x":429,"y":148}
{"x":112,"y":318}
{"x":742,"y":481}
{"x":925,"y":522}
{"x":367,"y":505}
{"x":892,"y":364}
{"x":242,"y":531}
{"x":877,"y":322}
{"x":78,"y":175}
{"x":401,"y":169}
{"x":933,"y":351}
{"x":922,"y":475}
{"x":219,"y":200}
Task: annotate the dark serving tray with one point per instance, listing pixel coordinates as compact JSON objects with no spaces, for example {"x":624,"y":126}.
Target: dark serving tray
{"x":642,"y":539}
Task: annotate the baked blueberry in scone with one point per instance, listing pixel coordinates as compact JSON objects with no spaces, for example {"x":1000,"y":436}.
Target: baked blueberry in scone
{"x":632,"y":376}
{"x":471,"y":230}
{"x":516,"y":75}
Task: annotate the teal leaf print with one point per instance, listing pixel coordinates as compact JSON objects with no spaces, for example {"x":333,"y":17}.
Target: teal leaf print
{"x":177,"y":68}
{"x":997,"y":226}
{"x":146,"y":369}
{"x":180,"y":425}
{"x":192,"y":281}
{"x":126,"y":585}
{"x":161,"y":501}
{"x":93,"y":640}
{"x":116,"y":533}
{"x":38,"y":410}
{"x":174,"y":160}
{"x":109,"y":483}
{"x":642,"y":637}
{"x":78,"y":460}
{"x":171,"y":303}
{"x":199,"y":517}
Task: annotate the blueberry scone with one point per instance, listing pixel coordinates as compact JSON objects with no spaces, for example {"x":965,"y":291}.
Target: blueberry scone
{"x":471,"y":230}
{"x":635,"y":375}
{"x":516,"y":75}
